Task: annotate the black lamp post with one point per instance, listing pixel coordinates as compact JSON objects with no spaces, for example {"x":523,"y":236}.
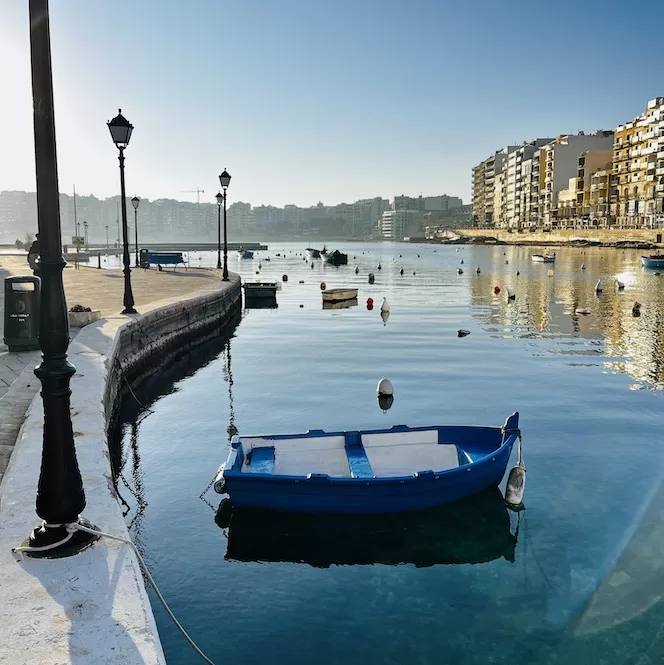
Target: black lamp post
{"x":225,"y":180}
{"x":85,"y":233}
{"x":60,"y":494}
{"x":106,"y":237}
{"x":220,"y":198}
{"x":121,"y":129}
{"x":135,"y":201}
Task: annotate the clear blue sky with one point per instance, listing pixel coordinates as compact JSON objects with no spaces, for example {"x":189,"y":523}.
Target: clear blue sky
{"x":308,"y":100}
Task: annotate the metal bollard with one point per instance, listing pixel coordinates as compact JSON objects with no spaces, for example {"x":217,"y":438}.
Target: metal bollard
{"x":99,"y":260}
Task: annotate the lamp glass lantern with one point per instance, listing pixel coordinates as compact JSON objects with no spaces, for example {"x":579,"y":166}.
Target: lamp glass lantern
{"x":225,"y":179}
{"x":219,"y":197}
{"x":121,"y":130}
{"x":135,"y":201}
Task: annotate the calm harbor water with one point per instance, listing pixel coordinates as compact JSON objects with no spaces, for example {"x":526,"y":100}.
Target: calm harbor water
{"x":576,"y":578}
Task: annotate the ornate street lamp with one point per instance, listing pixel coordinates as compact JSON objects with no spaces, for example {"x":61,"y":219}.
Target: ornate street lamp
{"x":60,"y":494}
{"x":121,"y":130}
{"x":225,"y":180}
{"x":220,"y":198}
{"x":135,"y":201}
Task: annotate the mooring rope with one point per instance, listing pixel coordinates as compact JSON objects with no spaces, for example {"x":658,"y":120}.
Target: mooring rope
{"x":72,"y":527}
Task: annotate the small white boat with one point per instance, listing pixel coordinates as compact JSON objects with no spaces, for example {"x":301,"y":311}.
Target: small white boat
{"x":543,"y":258}
{"x":582,"y":310}
{"x":338,"y":295}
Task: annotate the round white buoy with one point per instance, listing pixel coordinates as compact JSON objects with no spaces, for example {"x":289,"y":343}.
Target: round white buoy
{"x":549,"y":273}
{"x":516,"y":485}
{"x":598,"y":286}
{"x":219,"y":483}
{"x":583,"y":266}
{"x":385,"y":387}
{"x":620,"y":285}
{"x":510,"y":294}
{"x":384,"y":307}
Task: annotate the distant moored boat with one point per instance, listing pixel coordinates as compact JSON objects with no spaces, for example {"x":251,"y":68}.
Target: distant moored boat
{"x":654,"y":261}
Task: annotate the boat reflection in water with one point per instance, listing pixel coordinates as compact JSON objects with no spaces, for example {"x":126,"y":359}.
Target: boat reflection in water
{"x":343,"y":304}
{"x":260,"y":302}
{"x":476,"y":529}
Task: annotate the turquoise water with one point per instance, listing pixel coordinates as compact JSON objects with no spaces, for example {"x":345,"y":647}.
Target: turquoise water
{"x":583,"y":580}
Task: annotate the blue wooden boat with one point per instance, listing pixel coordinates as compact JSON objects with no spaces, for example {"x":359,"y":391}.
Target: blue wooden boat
{"x":373,"y":471}
{"x":245,"y":253}
{"x":654,"y":262}
{"x":473,"y":530}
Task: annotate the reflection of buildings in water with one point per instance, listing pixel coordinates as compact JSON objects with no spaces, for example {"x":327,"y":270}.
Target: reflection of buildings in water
{"x":547,"y":305}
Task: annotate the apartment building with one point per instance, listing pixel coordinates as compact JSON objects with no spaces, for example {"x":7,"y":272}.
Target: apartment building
{"x":395,"y":224}
{"x":561,"y":160}
{"x":484,"y":180}
{"x":637,"y":193}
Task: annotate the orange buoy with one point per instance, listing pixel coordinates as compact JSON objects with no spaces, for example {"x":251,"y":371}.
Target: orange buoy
{"x":284,"y":278}
{"x":323,"y":286}
{"x":496,"y":290}
{"x":369,"y":302}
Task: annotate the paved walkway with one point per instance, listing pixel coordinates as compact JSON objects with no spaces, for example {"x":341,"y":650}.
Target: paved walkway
{"x":90,"y":287}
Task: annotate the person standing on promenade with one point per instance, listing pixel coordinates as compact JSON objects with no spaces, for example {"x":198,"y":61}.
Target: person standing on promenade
{"x":33,"y":255}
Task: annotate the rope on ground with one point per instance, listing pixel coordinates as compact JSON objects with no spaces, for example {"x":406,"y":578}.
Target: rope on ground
{"x":72,"y":527}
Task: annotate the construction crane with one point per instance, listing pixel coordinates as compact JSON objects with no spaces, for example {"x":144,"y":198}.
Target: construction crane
{"x":196,"y":191}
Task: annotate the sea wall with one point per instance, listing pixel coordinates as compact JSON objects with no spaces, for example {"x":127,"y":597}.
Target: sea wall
{"x":93,"y":607}
{"x":604,"y":237}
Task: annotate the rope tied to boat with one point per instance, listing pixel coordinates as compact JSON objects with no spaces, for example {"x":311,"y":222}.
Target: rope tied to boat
{"x":72,"y":528}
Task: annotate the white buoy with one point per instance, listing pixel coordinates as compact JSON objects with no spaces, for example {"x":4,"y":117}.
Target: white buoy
{"x":620,"y":285}
{"x":582,"y":310}
{"x":384,"y":307}
{"x":385,"y":387}
{"x":510,"y":294}
{"x":459,"y":271}
{"x":549,"y":273}
{"x":583,"y":266}
{"x":516,"y":481}
{"x":598,"y":286}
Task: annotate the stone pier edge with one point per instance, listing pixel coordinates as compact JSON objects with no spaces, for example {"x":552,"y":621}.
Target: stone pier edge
{"x":94,"y":607}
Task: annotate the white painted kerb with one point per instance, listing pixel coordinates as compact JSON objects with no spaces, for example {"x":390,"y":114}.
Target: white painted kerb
{"x":91,"y":608}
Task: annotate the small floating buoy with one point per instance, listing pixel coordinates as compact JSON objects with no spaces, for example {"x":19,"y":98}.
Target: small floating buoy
{"x":371,"y":278}
{"x":312,"y":265}
{"x":657,"y":274}
{"x":385,"y":387}
{"x":496,"y":289}
{"x":370,"y":302}
{"x":636,"y":309}
{"x":379,"y":267}
{"x":357,"y":270}
{"x":582,"y":310}
{"x":418,"y":256}
{"x":219,"y":483}
{"x":401,"y":271}
{"x":260,"y":265}
{"x":517,"y":273}
{"x":516,"y":481}
{"x":510,"y":294}
{"x":478,"y":271}
{"x":462,"y":333}
{"x":284,"y":278}
{"x":620,"y":285}
{"x":384,"y":307}
{"x":258,"y":272}
{"x":459,"y":271}
{"x":414,"y":272}
{"x":506,"y":262}
{"x":301,"y":281}
{"x":323,"y":286}
{"x":461,"y":262}
{"x":549,"y":273}
{"x":301,"y":305}
{"x":583,"y":266}
{"x":598,"y":286}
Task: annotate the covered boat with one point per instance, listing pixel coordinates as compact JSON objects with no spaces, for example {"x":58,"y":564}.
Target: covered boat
{"x":339,"y":295}
{"x":654,"y":261}
{"x":373,"y":471}
{"x":335,"y":258}
{"x":543,"y":258}
{"x":313,"y":253}
{"x":474,"y":530}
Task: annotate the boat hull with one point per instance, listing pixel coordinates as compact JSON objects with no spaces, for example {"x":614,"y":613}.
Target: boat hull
{"x":339,"y":295}
{"x":653,"y":262}
{"x":540,"y":258}
{"x":322,"y":493}
{"x":260,"y":291}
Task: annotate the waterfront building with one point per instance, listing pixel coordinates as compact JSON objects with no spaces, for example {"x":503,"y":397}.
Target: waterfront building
{"x":397,"y":224}
{"x":637,"y":193}
{"x":484,"y":178}
{"x":560,"y":159}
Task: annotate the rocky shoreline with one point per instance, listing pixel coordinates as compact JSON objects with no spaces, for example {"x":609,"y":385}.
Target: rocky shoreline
{"x":572,"y":242}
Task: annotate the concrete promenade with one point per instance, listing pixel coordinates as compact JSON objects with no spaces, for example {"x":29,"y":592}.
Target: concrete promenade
{"x":93,"y":607}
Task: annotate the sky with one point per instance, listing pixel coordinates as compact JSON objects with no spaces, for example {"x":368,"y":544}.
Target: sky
{"x":318,"y":100}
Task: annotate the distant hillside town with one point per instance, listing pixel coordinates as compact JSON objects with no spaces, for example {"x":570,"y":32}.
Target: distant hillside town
{"x":606,"y":179}
{"x":167,"y":219}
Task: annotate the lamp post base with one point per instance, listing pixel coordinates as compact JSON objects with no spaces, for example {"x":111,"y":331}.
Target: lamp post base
{"x":56,"y":541}
{"x":129,"y":310}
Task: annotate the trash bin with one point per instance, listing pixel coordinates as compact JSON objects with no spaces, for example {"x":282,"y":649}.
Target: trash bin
{"x":21,"y":332}
{"x":144,"y":258}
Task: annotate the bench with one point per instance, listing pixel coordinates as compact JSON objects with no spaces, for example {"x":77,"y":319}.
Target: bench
{"x":161,"y":259}
{"x":357,"y":457}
